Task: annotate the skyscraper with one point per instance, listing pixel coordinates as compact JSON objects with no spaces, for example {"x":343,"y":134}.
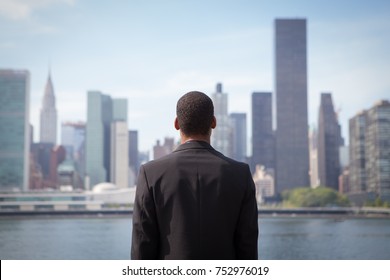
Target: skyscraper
{"x":263,"y":143}
{"x":119,"y":163}
{"x":378,"y":149}
{"x":133,"y":151}
{"x":48,"y":128}
{"x":221,"y":135}
{"x":14,"y":129}
{"x":292,"y":151}
{"x":370,"y":151}
{"x":73,"y":140}
{"x":357,"y":152}
{"x":328,"y":143}
{"x":238,"y":121}
{"x":134,"y":157}
{"x":101,"y":112}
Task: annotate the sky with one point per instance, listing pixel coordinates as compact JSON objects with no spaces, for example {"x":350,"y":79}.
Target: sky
{"x":152,"y":52}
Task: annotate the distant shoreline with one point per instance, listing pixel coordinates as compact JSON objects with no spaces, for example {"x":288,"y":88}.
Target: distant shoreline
{"x":336,"y":213}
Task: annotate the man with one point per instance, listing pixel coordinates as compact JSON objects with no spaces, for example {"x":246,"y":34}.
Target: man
{"x":195,"y":203}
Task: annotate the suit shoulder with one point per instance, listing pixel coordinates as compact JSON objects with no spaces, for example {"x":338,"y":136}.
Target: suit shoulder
{"x":158,"y":162}
{"x":233,"y":162}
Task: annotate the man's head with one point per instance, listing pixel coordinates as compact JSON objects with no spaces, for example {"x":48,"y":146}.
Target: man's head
{"x":195,"y":114}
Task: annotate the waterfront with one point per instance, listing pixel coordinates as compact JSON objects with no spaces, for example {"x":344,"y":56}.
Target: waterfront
{"x":109,"y":238}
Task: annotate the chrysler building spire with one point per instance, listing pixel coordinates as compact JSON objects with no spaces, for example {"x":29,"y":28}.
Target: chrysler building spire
{"x":48,"y":129}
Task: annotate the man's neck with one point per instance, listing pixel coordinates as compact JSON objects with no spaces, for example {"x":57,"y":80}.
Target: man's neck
{"x":185,"y":138}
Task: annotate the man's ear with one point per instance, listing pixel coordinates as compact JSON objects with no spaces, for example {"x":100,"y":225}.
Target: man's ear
{"x":177,"y":126}
{"x":214,"y":123}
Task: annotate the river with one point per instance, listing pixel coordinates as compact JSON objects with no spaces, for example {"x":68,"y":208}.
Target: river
{"x":291,"y":238}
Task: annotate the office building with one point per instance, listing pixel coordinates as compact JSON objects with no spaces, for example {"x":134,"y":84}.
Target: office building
{"x":370,"y":151}
{"x":344,"y":185}
{"x":292,"y":149}
{"x":263,"y":141}
{"x":46,"y":158}
{"x":101,"y":112}
{"x":264,"y":183}
{"x":238,"y":125}
{"x":48,"y":117}
{"x":41,"y":154}
{"x":329,"y":141}
{"x":221,"y":136}
{"x":313,"y":155}
{"x":57,"y":156}
{"x":15,"y":129}
{"x":133,"y":151}
{"x":119,"y":154}
{"x":357,"y":152}
{"x":73,"y":140}
{"x":378,"y":149}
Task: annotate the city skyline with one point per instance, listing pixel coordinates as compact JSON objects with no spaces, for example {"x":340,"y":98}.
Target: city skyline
{"x":151,"y":54}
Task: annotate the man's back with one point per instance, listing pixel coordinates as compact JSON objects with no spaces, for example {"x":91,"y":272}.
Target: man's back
{"x":195,"y":204}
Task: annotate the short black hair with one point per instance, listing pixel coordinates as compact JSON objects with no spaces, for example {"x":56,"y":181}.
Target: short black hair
{"x":195,"y":112}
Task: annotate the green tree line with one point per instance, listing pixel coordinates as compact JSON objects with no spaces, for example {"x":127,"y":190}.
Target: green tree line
{"x":318,"y":197}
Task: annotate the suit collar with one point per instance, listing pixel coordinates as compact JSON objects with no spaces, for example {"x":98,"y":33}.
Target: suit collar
{"x":193,"y":144}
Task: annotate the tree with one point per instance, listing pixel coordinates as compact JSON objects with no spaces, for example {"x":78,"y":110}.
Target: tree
{"x":318,"y":197}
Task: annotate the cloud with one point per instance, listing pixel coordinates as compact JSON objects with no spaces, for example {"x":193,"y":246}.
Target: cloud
{"x":22,"y":9}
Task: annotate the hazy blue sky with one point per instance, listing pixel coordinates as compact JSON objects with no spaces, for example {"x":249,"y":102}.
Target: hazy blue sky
{"x":152,"y":52}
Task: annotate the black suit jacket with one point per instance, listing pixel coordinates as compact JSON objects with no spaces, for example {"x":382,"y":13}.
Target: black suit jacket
{"x":195,"y":204}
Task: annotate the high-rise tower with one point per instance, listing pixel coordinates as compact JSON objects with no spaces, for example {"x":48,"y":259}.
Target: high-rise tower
{"x":48,"y":128}
{"x":328,"y":143}
{"x":101,"y":139}
{"x":357,"y":152}
{"x":221,"y":135}
{"x":119,"y":152}
{"x":238,"y":121}
{"x":263,"y":142}
{"x":369,"y":134}
{"x":14,"y":129}
{"x":292,"y":152}
{"x":133,"y":156}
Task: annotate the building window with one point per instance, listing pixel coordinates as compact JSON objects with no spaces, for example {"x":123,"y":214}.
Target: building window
{"x":48,"y":207}
{"x":10,"y":207}
{"x":77,"y":207}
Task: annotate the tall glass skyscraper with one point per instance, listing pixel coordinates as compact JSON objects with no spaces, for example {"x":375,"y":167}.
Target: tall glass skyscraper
{"x":133,"y":151}
{"x":101,"y":112}
{"x":15,"y":129}
{"x":263,"y":141}
{"x":238,"y":121}
{"x":221,"y":135}
{"x":292,"y":151}
{"x":119,"y":163}
{"x":329,"y":141}
{"x":48,"y":129}
{"x":357,"y":152}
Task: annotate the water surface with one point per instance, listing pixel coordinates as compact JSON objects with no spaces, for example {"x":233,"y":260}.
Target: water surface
{"x":109,"y":238}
